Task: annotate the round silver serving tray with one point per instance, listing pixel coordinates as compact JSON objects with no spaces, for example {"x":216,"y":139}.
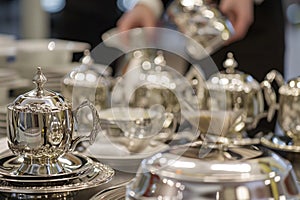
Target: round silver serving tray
{"x":82,"y":173}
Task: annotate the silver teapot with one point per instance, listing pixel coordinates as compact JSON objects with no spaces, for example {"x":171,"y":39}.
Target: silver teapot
{"x":40,"y":128}
{"x":288,"y":104}
{"x":88,"y":81}
{"x":236,"y":96}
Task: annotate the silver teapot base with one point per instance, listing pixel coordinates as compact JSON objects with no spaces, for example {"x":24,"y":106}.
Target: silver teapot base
{"x":40,"y":166}
{"x":80,"y":172}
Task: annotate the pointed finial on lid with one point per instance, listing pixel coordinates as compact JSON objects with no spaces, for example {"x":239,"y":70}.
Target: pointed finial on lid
{"x":39,"y":80}
{"x":230,"y":63}
{"x":87,"y":59}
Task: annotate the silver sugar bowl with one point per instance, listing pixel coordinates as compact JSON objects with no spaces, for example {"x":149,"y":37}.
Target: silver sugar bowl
{"x":40,"y":129}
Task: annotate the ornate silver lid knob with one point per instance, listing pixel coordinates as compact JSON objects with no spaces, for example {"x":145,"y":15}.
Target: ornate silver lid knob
{"x":230,"y":63}
{"x":39,"y":80}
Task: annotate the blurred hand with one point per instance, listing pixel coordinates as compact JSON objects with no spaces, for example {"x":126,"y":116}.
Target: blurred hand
{"x":140,"y":16}
{"x":240,"y":13}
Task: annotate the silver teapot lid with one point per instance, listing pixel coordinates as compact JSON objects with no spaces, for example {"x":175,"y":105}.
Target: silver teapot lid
{"x":88,"y":74}
{"x":292,"y":88}
{"x":212,"y":164}
{"x":39,"y":100}
{"x":231,"y":79}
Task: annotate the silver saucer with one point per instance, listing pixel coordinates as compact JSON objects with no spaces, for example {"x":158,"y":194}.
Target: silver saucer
{"x":245,"y":141}
{"x":81,"y":173}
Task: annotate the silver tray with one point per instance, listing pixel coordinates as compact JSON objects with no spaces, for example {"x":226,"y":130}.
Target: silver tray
{"x":82,"y":173}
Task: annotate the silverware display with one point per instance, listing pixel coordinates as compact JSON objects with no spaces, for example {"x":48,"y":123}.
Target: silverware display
{"x":203,"y":171}
{"x":203,"y":23}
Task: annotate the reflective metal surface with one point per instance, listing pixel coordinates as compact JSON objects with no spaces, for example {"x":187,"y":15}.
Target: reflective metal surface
{"x":203,"y":23}
{"x":80,"y":173}
{"x":213,"y":172}
{"x":231,"y":97}
{"x":40,"y":128}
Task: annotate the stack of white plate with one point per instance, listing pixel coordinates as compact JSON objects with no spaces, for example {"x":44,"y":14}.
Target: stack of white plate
{"x":10,"y":80}
{"x":56,"y":74}
{"x":2,"y":120}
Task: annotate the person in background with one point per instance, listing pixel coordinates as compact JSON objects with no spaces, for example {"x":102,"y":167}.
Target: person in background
{"x":258,"y":42}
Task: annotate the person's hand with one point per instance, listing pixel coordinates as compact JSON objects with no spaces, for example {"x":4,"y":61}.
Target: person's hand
{"x":140,"y":16}
{"x":240,"y":13}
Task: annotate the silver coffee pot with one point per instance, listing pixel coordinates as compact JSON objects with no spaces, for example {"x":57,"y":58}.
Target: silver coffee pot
{"x":41,"y":128}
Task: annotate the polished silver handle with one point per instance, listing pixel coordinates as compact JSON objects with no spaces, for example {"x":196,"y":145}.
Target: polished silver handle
{"x":92,"y":135}
{"x":269,"y":91}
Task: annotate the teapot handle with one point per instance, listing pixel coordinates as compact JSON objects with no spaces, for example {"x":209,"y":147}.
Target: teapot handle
{"x":92,"y":135}
{"x":269,"y":92}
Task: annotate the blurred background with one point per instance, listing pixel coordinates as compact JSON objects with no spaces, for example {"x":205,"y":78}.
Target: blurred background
{"x":47,"y":18}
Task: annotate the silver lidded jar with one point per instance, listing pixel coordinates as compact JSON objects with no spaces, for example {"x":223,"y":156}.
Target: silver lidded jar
{"x":40,"y":128}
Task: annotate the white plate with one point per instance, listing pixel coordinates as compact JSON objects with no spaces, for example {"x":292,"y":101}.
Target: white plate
{"x":3,"y":144}
{"x":118,"y":157}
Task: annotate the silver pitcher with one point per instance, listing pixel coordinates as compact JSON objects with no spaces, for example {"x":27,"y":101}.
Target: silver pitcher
{"x":203,"y":23}
{"x":40,"y":128}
